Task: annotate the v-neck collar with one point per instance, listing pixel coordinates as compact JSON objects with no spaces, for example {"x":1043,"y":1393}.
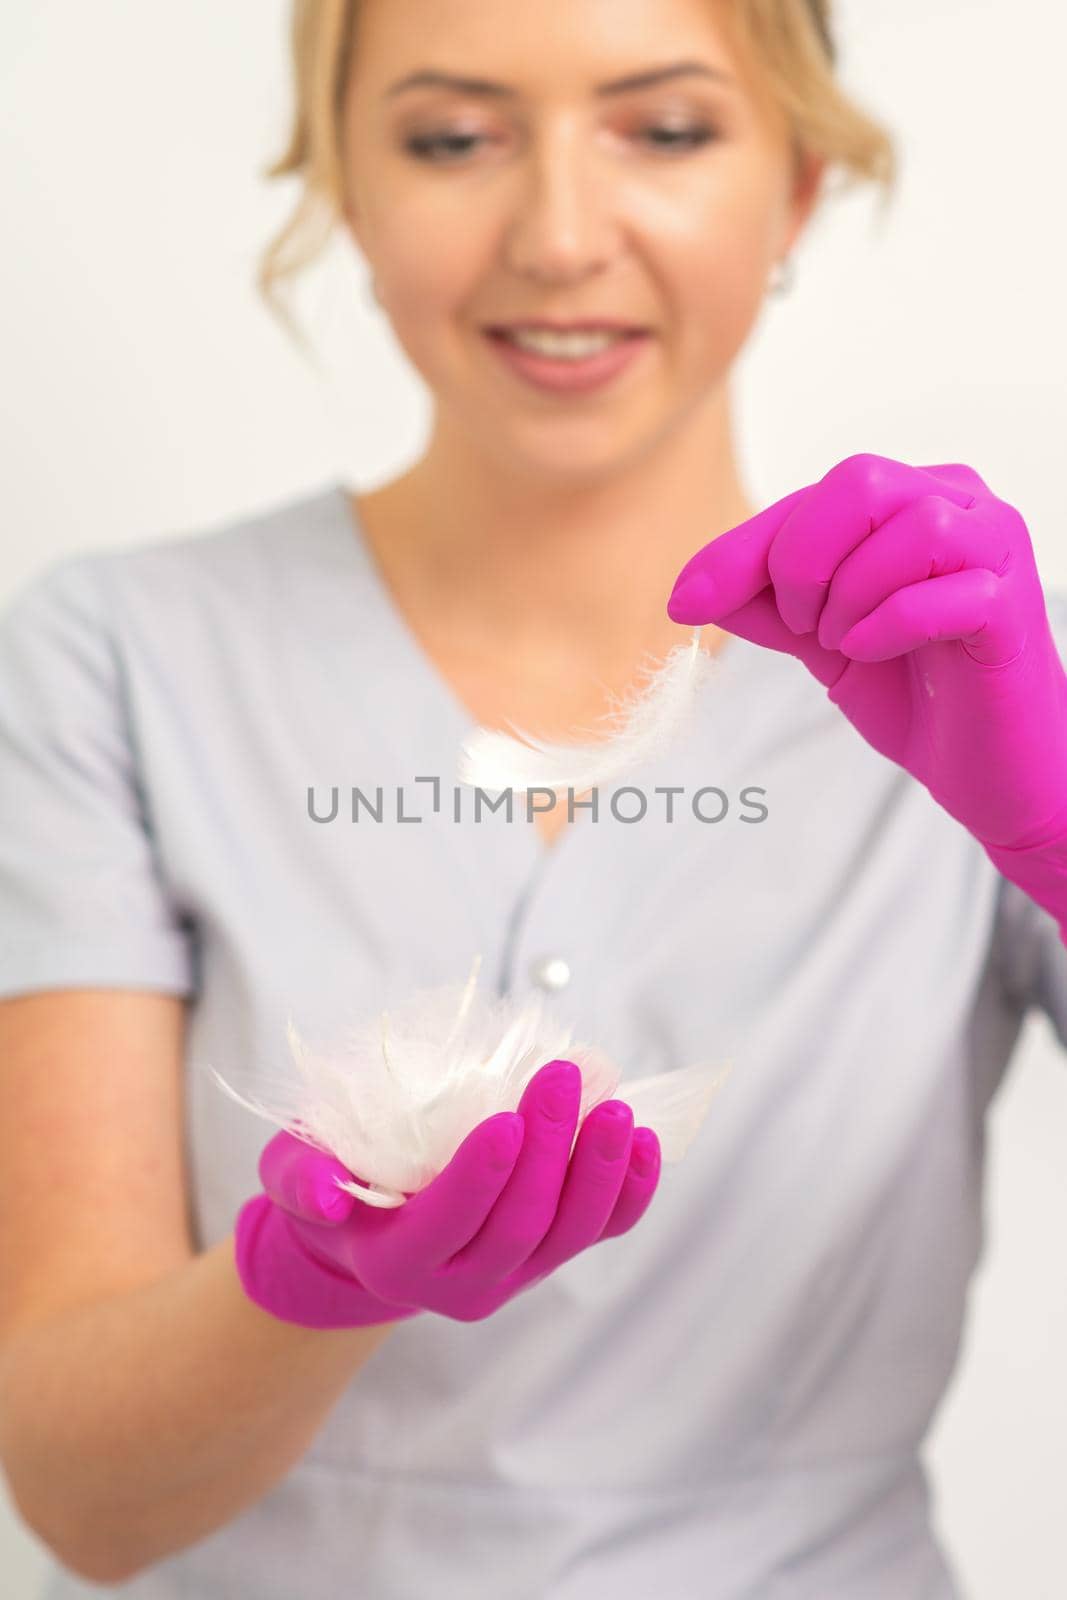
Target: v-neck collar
{"x":454,"y":721}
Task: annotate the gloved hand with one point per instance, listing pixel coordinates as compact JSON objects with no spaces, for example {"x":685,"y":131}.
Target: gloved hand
{"x":511,"y":1206}
{"x":912,"y":593}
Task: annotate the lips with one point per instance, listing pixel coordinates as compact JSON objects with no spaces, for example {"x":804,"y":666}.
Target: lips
{"x":588,"y":325}
{"x":570,"y":371}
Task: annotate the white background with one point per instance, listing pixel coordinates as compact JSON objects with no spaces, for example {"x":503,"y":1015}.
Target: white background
{"x":145,"y":391}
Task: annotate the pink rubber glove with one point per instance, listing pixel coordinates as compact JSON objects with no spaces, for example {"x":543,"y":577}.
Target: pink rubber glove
{"x":913,"y":595}
{"x":511,"y":1206}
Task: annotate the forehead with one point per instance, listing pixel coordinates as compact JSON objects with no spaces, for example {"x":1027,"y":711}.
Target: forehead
{"x":541,"y":47}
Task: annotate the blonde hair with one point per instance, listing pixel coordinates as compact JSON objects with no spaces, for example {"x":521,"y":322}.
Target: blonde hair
{"x":787,"y":46}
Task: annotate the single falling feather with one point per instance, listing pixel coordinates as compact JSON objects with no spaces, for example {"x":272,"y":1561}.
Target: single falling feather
{"x":639,"y":728}
{"x":396,"y":1100}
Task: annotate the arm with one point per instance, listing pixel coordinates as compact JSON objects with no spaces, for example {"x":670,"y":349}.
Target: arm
{"x":144,"y":1400}
{"x":136,"y":1425}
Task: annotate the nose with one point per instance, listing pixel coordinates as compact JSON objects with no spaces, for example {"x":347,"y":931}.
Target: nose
{"x":562,"y":228}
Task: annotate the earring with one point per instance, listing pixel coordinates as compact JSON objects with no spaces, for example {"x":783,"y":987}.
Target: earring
{"x":783,"y":276}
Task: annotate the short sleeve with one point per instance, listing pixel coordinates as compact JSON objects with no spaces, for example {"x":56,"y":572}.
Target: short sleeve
{"x":83,"y":902}
{"x":1029,"y":950}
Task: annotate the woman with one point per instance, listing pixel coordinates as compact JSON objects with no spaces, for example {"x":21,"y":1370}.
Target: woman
{"x":731,"y":1398}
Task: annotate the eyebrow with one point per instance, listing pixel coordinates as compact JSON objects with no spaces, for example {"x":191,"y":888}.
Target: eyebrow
{"x":430,"y":78}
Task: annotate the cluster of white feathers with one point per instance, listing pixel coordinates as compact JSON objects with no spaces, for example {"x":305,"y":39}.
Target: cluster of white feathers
{"x":397,"y":1097}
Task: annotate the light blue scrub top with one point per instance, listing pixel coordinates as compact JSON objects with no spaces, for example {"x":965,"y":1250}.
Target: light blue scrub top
{"x":727,"y":1402}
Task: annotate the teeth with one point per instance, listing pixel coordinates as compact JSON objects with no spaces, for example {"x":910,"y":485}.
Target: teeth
{"x":564,"y":346}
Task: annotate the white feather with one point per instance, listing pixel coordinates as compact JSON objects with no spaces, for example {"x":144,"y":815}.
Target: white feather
{"x":397,"y":1098}
{"x":637,"y":728}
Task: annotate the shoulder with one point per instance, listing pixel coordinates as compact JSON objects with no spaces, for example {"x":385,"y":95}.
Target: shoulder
{"x":233,"y":565}
{"x":254,"y":548}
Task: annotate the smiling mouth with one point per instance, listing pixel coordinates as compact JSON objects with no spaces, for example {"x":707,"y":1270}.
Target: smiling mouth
{"x":568,"y":363}
{"x":575,"y":342}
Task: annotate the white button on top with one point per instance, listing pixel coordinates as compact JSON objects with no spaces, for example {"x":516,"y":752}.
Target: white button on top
{"x":550,"y":972}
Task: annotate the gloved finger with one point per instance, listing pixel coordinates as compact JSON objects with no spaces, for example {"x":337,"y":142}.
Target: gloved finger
{"x":300,"y":1178}
{"x":639,"y":1184}
{"x":758,"y":620}
{"x":842,"y":510}
{"x":394,"y":1252}
{"x":959,"y":605}
{"x":731,"y":569}
{"x":523,"y":1214}
{"x":590,"y":1193}
{"x":962,"y":476}
{"x":927,"y":539}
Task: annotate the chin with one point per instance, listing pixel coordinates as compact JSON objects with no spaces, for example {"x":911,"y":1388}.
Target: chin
{"x":572,"y":447}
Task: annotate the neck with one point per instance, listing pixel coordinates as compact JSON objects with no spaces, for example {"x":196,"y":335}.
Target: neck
{"x":586,"y":565}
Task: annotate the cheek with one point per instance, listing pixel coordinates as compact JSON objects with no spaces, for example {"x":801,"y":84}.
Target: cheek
{"x":709,"y":240}
{"x":722,"y":287}
{"x":715,"y":259}
{"x":429,"y":269}
{"x":427,"y":293}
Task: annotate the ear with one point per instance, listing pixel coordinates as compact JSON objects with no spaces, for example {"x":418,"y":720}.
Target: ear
{"x":807,"y":189}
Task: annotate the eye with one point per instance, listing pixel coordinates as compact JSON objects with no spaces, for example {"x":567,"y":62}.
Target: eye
{"x":671,"y":138}
{"x":443,"y":148}
{"x":425,"y":146}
